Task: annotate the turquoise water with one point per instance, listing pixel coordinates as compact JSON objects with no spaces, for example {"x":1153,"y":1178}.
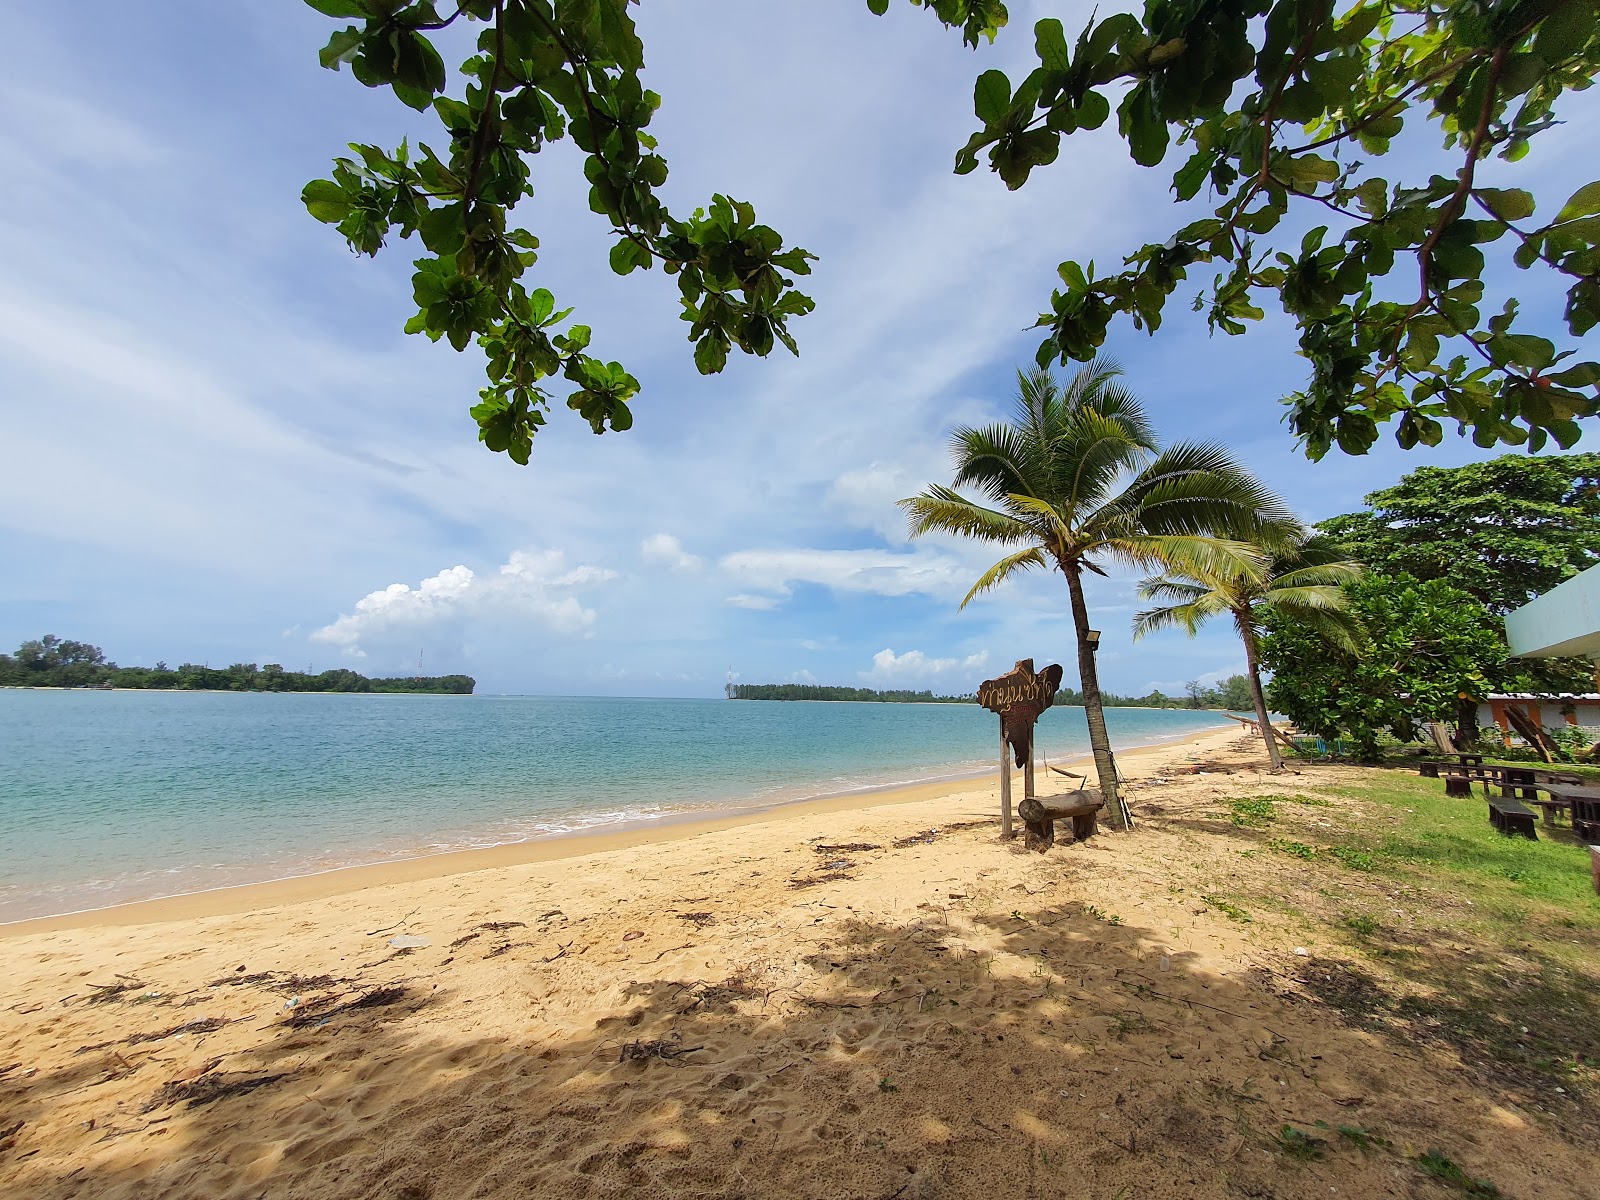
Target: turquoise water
{"x":113,"y":796}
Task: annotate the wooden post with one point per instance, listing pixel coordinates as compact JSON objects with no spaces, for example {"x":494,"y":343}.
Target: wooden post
{"x":1027,"y":775}
{"x":1005,"y":784}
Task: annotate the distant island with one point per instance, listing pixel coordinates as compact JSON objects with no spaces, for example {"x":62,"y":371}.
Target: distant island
{"x":1234,"y":693}
{"x":56,"y":663}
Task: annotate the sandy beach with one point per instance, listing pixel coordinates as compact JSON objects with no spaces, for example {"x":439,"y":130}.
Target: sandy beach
{"x":866,"y":996}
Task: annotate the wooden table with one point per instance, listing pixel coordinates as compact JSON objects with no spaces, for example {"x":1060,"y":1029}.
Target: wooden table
{"x":1584,"y":803}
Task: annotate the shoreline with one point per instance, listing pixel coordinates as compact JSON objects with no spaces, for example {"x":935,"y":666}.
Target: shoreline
{"x":337,"y":881}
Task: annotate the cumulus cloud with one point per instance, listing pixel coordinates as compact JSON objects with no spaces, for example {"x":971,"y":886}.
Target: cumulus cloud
{"x":666,"y":550}
{"x":880,"y":572}
{"x":531,"y":583}
{"x":916,"y":667}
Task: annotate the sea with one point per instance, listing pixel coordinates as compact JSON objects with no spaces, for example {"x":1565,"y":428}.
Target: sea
{"x":110,"y":797}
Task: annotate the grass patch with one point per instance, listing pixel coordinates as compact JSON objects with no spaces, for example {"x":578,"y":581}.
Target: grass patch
{"x":1253,"y":812}
{"x":1297,"y":1144}
{"x":1293,"y":849}
{"x":1437,"y":1166}
{"x":1363,"y":1139}
{"x":1494,"y":948}
{"x":1353,"y":857}
{"x":1232,"y":911}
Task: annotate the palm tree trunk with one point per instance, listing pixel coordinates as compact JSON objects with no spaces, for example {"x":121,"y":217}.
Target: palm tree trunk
{"x":1247,"y":634}
{"x":1089,"y":676}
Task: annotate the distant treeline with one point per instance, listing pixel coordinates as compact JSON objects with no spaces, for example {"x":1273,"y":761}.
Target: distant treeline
{"x":53,"y":662}
{"x":811,"y":691}
{"x":1233,"y":694}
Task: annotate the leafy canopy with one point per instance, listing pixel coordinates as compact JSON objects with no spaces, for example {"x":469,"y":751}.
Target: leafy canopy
{"x":1285,"y":106}
{"x":1420,"y":646}
{"x":1503,"y":531}
{"x":545,"y":70}
{"x":1276,"y":106}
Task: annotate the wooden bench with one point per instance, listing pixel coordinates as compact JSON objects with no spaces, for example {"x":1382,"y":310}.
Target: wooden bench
{"x":1042,"y":812}
{"x":1512,"y":816}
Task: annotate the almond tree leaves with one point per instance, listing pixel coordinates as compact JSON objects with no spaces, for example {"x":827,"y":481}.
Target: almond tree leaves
{"x":1283,"y":103}
{"x":544,"y":70}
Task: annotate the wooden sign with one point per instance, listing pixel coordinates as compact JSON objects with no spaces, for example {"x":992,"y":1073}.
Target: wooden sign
{"x":1019,"y":696}
{"x":1020,"y":687}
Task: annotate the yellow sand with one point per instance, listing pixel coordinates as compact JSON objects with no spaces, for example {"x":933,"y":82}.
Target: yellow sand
{"x":724,"y":1009}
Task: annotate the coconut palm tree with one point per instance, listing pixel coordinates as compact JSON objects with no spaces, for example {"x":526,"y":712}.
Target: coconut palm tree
{"x":1304,"y":579}
{"x":1076,"y":479}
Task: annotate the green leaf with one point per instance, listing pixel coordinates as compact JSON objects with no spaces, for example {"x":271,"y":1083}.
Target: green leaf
{"x":1565,"y":31}
{"x":991,"y":97}
{"x":341,"y":48}
{"x":1143,"y":126}
{"x":1509,"y":204}
{"x":710,"y":354}
{"x":1050,"y":41}
{"x":326,"y":201}
{"x":342,"y":8}
{"x":1583,"y":202}
{"x":877,"y":7}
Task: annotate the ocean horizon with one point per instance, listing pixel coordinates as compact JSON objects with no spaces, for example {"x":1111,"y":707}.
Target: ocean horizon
{"x":108,"y":797}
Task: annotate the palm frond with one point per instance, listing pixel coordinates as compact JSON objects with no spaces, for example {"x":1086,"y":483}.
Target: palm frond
{"x":1293,"y":601}
{"x":1046,"y":512}
{"x":998,"y":460}
{"x":1198,"y":557}
{"x":1167,"y":587}
{"x":942,"y":510}
{"x":1340,"y":629}
{"x":1198,"y":488}
{"x":1331,"y":574}
{"x":1189,"y":618}
{"x":1022,"y":560}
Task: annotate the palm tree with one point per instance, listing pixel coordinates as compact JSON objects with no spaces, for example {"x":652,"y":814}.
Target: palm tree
{"x":1074,"y":479}
{"x":1304,"y":579}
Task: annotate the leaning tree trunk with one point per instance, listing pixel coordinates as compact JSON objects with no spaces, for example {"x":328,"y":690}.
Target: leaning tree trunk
{"x":1089,"y":675}
{"x":1247,"y":634}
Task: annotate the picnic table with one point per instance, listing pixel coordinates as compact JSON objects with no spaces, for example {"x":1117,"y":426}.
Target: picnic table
{"x":1583,"y":803}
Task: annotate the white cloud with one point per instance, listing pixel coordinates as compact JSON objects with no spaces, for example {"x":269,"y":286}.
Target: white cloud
{"x":754,"y":603}
{"x":916,"y":667}
{"x":526,"y":585}
{"x":666,"y":550}
{"x":879,"y":572}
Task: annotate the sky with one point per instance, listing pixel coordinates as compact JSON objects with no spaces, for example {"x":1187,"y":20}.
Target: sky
{"x":220,"y":447}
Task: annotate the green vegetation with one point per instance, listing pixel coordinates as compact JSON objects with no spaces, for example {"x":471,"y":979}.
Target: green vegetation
{"x":1437,"y":1166}
{"x":53,"y":662}
{"x":1076,"y":477}
{"x":1252,"y":812}
{"x":1224,"y":697}
{"x":1502,"y":531}
{"x":1283,"y":109}
{"x":1420,"y":646}
{"x":811,"y":691}
{"x":1449,"y":551}
{"x":1298,"y":1144}
{"x":1227,"y":908}
{"x":1303,"y":580}
{"x":1451,"y":932}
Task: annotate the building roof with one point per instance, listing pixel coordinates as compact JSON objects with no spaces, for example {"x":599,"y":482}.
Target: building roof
{"x":1581,"y":697}
{"x":1565,"y":621}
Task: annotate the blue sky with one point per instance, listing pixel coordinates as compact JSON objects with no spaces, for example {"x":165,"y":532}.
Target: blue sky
{"x":220,"y":446}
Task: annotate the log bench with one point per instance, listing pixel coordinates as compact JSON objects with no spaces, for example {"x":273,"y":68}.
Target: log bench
{"x":1042,"y":812}
{"x":1512,"y":816}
